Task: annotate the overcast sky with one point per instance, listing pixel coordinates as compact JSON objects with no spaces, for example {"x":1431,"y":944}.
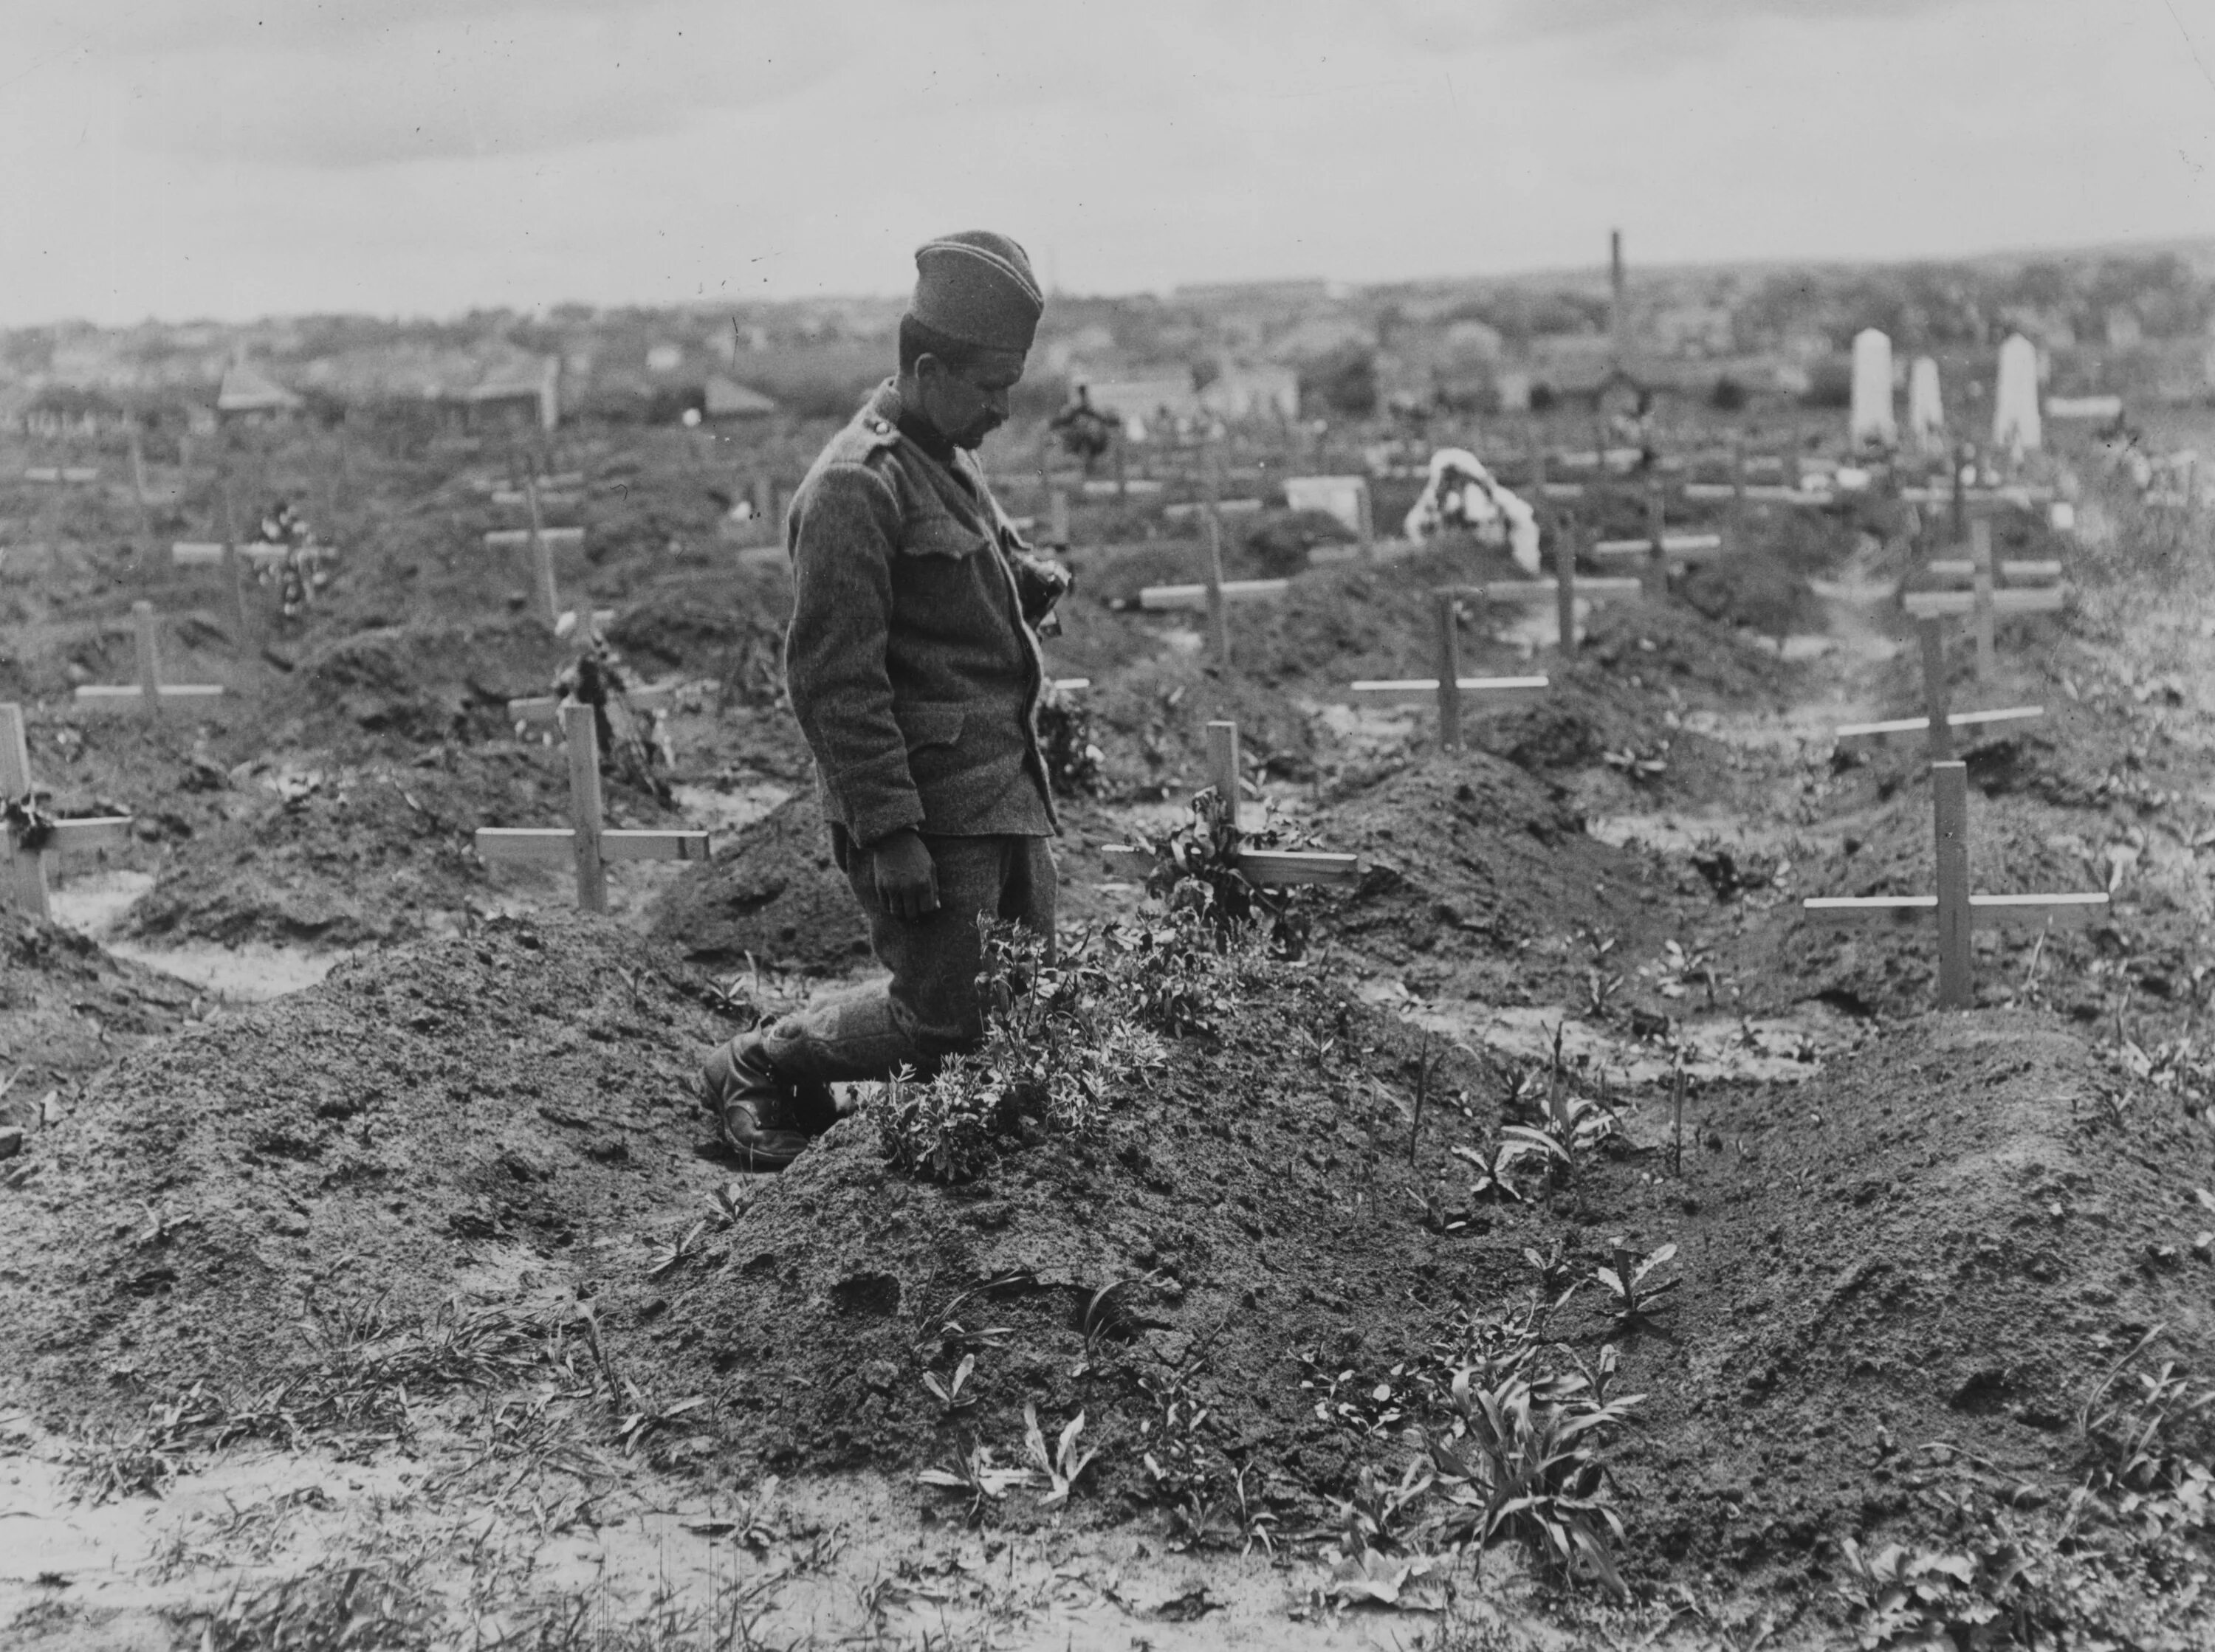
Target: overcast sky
{"x":182,"y":158}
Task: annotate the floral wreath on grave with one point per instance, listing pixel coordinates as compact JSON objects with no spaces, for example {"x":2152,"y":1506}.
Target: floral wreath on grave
{"x":1196,"y":870}
{"x":30,"y":826}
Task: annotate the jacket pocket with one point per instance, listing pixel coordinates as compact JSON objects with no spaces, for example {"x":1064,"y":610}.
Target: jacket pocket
{"x":942,"y":535}
{"x":929,"y":723}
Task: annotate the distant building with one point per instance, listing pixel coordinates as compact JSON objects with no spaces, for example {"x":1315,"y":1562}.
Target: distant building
{"x":1253,"y":393}
{"x":725,"y":398}
{"x":521,"y":390}
{"x":249,"y":396}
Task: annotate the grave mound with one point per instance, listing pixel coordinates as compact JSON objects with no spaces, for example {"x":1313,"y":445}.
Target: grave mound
{"x":68,"y":1009}
{"x":488,"y":1115}
{"x":771,"y":892}
{"x":420,"y":683}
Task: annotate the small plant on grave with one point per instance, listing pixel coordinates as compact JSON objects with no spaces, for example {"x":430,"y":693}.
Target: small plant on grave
{"x":1381,"y":1516}
{"x":1059,"y":1038}
{"x":1495,"y":1173}
{"x":1639,"y":765}
{"x":1569,"y":1127}
{"x":1210,"y":1503}
{"x":1523,"y":1459}
{"x":1925,"y":1599}
{"x":25,"y":820}
{"x":1064,"y":1464}
{"x":1072,"y":759}
{"x":953,"y":1393}
{"x":973,"y":1474}
{"x":1625,"y":1282}
{"x":1196,"y":871}
{"x":2149,"y":1436}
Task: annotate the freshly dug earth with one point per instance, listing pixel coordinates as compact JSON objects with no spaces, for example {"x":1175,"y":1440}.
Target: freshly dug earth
{"x":503,"y":1114}
{"x":771,"y":893}
{"x":67,"y":1010}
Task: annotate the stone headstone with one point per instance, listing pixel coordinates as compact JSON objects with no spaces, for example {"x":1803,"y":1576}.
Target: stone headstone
{"x":1926,"y":413}
{"x":1872,"y":421}
{"x":2015,"y":425}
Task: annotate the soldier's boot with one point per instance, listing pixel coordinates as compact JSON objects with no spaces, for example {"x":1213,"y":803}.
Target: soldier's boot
{"x":766,"y":1118}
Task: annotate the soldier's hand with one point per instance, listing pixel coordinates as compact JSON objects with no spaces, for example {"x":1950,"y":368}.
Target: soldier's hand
{"x":907,"y":882}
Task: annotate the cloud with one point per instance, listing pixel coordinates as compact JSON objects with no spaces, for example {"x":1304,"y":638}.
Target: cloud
{"x":337,"y":89}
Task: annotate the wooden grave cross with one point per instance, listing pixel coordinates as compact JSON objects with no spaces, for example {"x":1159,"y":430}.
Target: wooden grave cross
{"x":1985,"y":602}
{"x":1449,"y":687}
{"x":586,"y":843}
{"x":541,"y":539}
{"x":1663,"y":548}
{"x":1956,"y":909}
{"x":149,"y":693}
{"x":23,"y":863}
{"x":1939,"y":720}
{"x":1563,"y":591}
{"x":1278,"y":867}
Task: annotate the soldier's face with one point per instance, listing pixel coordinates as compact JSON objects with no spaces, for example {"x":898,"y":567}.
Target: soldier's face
{"x":969,"y":405}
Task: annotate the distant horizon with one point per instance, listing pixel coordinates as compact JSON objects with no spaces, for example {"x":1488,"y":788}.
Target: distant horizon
{"x":2202,"y":246}
{"x":424,"y":158}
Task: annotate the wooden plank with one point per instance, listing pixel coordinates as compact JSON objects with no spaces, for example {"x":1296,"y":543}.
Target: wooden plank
{"x":666,"y":844}
{"x":86,"y":833}
{"x":510,"y":538}
{"x":2062,"y":911}
{"x":1449,"y":677}
{"x":118,"y":696}
{"x":1223,"y":765}
{"x":1981,"y":553}
{"x":1071,"y":685}
{"x":1599,"y":589}
{"x":2021,"y":573}
{"x":1671,"y":545}
{"x":1903,"y":729}
{"x":544,"y":846}
{"x":544,"y":711}
{"x":1932,"y":604}
{"x":1937,"y":690}
{"x":1187,"y":598}
{"x":191,"y":554}
{"x":548,"y":499}
{"x":1424,"y":690}
{"x":1271,"y":866}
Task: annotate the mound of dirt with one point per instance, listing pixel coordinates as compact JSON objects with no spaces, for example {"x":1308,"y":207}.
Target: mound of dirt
{"x":771,"y":891}
{"x":486,"y":1115}
{"x":420,"y":684}
{"x":1469,"y":858}
{"x":68,"y":1009}
{"x":350,"y":853}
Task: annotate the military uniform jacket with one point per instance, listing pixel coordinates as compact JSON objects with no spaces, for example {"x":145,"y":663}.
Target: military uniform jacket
{"x":911,"y":660}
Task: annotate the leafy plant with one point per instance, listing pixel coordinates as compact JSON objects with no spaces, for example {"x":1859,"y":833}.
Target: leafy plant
{"x":1064,"y":1464}
{"x":1495,"y":1174}
{"x":1625,"y":1282}
{"x":1072,"y":759}
{"x":1927,"y":1599}
{"x":952,"y":1393}
{"x":1196,"y":871}
{"x":2147,"y":1434}
{"x":974,"y":1473}
{"x":1524,"y":1460}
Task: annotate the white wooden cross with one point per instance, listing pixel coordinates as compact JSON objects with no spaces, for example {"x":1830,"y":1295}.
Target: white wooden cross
{"x":1938,"y":722}
{"x":23,"y":865}
{"x":586,"y":843}
{"x":1562,"y":589}
{"x":1956,"y":909}
{"x":1984,"y":601}
{"x":544,"y":711}
{"x":1449,"y":687}
{"x":149,"y":693}
{"x":1264,"y":867}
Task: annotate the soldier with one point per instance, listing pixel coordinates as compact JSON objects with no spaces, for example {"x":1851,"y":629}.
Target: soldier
{"x":913,"y":661}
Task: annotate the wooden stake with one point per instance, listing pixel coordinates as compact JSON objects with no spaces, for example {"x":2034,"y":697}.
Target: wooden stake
{"x":1960,"y":493}
{"x":1937,"y":693}
{"x":1058,"y":521}
{"x":150,"y":658}
{"x":765,"y":503}
{"x":1981,"y":553}
{"x":582,"y":734}
{"x":1122,"y":467}
{"x":1218,"y":616}
{"x":1223,"y":765}
{"x":139,"y":492}
{"x":233,"y":562}
{"x":1365,"y":519}
{"x":1657,"y":535}
{"x":1538,"y":464}
{"x":1565,"y":583}
{"x":1949,"y":799}
{"x":1448,"y":673}
{"x":22,"y":871}
{"x":543,"y":600}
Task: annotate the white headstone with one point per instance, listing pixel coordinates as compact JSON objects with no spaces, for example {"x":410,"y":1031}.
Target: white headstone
{"x":2014,"y":409}
{"x":1926,"y":413}
{"x":1872,"y":420}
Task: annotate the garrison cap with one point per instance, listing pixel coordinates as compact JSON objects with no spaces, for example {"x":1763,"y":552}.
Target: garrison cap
{"x":977,"y":287}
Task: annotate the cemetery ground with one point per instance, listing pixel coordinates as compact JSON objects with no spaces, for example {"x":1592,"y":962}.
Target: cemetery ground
{"x":420,"y":1306}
